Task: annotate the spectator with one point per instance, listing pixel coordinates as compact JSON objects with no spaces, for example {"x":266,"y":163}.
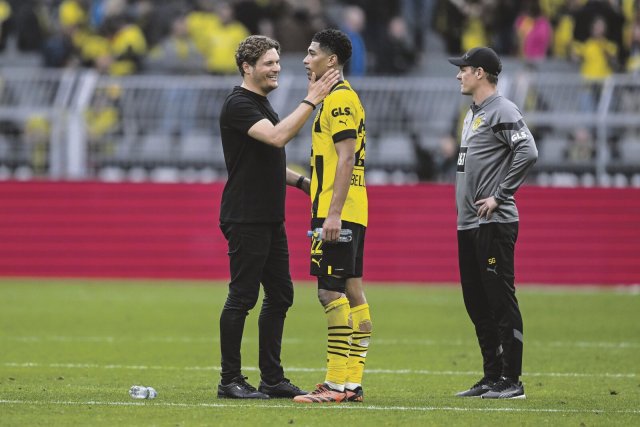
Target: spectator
{"x":397,"y":53}
{"x":499,"y":16}
{"x":37,"y":130}
{"x":32,"y":25}
{"x":418,"y":17}
{"x":127,"y":47}
{"x":294,"y":25}
{"x":597,"y":54}
{"x":225,"y":38}
{"x":114,"y":8}
{"x":563,"y":30}
{"x":156,"y":20}
{"x":552,"y":8}
{"x":534,"y":32}
{"x":202,"y":23}
{"x":633,"y":61}
{"x":88,"y":46}
{"x":446,"y":159}
{"x":92,"y":48}
{"x":607,"y":10}
{"x":581,"y":146}
{"x":176,"y":53}
{"x":377,"y":14}
{"x":630,"y":10}
{"x":449,"y":21}
{"x":426,"y":167}
{"x":96,"y":13}
{"x":5,"y":20}
{"x":103,"y":122}
{"x":474,"y":32}
{"x":72,"y":13}
{"x":58,"y":50}
{"x":250,"y":14}
{"x":65,"y":47}
{"x":141,"y":13}
{"x":353,"y":25}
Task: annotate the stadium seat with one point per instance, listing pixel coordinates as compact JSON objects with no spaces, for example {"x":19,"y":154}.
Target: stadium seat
{"x":5,"y":147}
{"x":299,"y":149}
{"x":377,"y":177}
{"x":165,"y":174}
{"x":112,"y":174}
{"x":137,"y":174}
{"x":157,"y":147}
{"x":23,"y":173}
{"x":5,"y":173}
{"x":200,"y":147}
{"x":629,"y":148}
{"x":620,"y":180}
{"x":173,"y":120}
{"x":189,"y":175}
{"x":564,"y":179}
{"x":588,"y":180}
{"x":552,"y":151}
{"x":396,"y":149}
{"x":210,"y":175}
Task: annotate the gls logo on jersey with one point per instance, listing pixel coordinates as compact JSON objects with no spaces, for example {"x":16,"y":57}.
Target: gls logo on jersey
{"x":341,"y":112}
{"x":518,"y":136}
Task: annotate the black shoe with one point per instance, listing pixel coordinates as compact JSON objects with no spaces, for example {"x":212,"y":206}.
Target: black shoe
{"x":355,"y":395}
{"x":506,"y":389}
{"x":478,"y":389}
{"x":239,"y":388}
{"x":283,"y":389}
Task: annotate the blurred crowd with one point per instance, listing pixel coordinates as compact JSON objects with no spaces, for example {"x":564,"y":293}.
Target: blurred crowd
{"x":121,"y":37}
{"x":602,"y":35}
{"x":390,"y":37}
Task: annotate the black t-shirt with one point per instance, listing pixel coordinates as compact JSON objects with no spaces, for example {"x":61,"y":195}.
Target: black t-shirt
{"x":256,"y":185}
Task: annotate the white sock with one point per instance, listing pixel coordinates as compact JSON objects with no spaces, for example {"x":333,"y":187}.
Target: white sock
{"x":334,"y":386}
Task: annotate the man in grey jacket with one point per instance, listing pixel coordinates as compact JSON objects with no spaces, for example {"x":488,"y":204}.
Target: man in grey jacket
{"x":496,"y":153}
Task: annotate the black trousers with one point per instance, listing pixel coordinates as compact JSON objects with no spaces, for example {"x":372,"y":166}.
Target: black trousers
{"x":486,"y":260}
{"x":258,"y":253}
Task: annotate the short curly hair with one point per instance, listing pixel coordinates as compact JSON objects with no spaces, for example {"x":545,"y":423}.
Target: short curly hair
{"x":252,"y":48}
{"x":334,"y":41}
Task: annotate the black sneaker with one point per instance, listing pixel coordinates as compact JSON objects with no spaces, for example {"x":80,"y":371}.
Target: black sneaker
{"x":506,"y":389}
{"x":479,"y":388}
{"x":239,"y":388}
{"x":283,"y":389}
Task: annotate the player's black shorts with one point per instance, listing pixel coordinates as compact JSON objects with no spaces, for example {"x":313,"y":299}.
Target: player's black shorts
{"x":341,"y":259}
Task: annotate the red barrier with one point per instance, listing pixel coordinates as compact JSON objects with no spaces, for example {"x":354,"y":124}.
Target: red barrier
{"x":67,"y":229}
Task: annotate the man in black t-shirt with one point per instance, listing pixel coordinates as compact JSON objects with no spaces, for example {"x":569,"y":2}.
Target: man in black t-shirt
{"x":252,"y":214}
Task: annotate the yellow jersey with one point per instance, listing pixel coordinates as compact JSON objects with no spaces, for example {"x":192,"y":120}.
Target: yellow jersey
{"x":340,"y":117}
{"x":595,"y":54}
{"x":5,"y":11}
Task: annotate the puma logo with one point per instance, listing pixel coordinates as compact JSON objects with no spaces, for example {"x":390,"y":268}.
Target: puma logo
{"x":493,"y":270}
{"x":316,"y":261}
{"x":344,"y":122}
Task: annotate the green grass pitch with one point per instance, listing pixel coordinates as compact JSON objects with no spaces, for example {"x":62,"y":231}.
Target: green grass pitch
{"x":70,"y":350}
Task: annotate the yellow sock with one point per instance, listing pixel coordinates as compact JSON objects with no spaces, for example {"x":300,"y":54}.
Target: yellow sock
{"x":361,"y":319}
{"x":338,"y":340}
